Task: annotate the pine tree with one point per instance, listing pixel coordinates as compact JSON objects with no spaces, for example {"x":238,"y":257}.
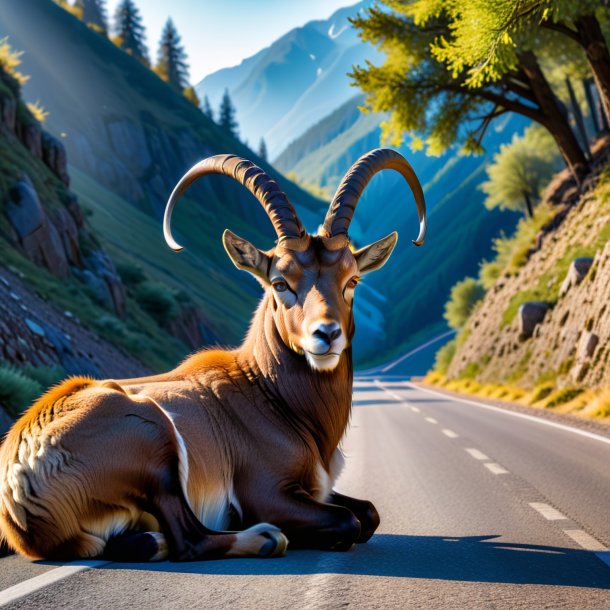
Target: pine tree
{"x":171,"y":58}
{"x":94,"y":12}
{"x":207,"y":107}
{"x":226,"y":115}
{"x":438,"y":105}
{"x":130,"y":32}
{"x":262,"y":149}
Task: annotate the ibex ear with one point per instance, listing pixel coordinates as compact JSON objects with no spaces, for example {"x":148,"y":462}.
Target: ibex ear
{"x":245,"y":256}
{"x":373,"y":257}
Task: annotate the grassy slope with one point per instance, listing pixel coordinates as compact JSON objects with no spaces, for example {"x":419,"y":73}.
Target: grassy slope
{"x":86,"y":84}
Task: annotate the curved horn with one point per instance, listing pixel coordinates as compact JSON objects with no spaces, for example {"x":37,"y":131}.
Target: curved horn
{"x":279,"y":209}
{"x":343,"y":205}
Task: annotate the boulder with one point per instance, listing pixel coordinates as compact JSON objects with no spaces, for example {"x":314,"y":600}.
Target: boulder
{"x":23,"y":208}
{"x":8,"y":113}
{"x":576,"y":273}
{"x":586,"y":347}
{"x":30,"y":135}
{"x":530,"y":315}
{"x":68,"y":233}
{"x":103,"y":278}
{"x":54,"y":156}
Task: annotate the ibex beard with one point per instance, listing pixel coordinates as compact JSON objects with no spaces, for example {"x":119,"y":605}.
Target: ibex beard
{"x":234,"y":452}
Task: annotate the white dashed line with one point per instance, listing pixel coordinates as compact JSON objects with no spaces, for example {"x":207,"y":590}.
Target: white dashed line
{"x":389,"y":392}
{"x":450,"y":433}
{"x":431,"y":420}
{"x":496,"y":468}
{"x":415,"y":409}
{"x":476,"y":454}
{"x":586,"y":541}
{"x":547,"y":511}
{"x":44,"y":580}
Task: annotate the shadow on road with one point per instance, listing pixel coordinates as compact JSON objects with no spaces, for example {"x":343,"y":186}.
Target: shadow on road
{"x":472,"y":559}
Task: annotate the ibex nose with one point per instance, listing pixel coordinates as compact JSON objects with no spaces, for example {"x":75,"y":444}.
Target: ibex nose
{"x":327,"y":332}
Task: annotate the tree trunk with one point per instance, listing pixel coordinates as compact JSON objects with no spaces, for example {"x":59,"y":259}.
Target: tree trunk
{"x":578,"y":118}
{"x":553,"y":119}
{"x":528,"y":204}
{"x":598,"y":56}
{"x":587,"y":84}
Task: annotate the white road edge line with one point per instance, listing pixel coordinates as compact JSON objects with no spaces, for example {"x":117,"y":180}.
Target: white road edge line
{"x":450,"y":433}
{"x":587,"y":542}
{"x":538,"y":420}
{"x":44,"y":580}
{"x":496,"y":468}
{"x":547,"y":511}
{"x":476,"y":454}
{"x":431,"y":420}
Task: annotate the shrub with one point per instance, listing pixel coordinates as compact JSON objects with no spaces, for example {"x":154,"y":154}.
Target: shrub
{"x":157,"y":301}
{"x":464,"y":296}
{"x":131,"y":274}
{"x":444,"y":356}
{"x":17,"y":391}
{"x":46,"y":376}
{"x":541,"y":392}
{"x":563,"y":396}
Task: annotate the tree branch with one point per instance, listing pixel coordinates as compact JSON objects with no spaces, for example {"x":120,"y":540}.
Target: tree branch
{"x":562,"y":28}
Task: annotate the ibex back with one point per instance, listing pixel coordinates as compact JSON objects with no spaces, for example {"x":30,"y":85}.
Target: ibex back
{"x":233,"y":453}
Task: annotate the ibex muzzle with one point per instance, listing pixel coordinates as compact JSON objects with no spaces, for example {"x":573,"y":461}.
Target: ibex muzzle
{"x":245,"y":439}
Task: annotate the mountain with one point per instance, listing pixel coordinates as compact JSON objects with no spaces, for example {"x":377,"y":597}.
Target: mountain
{"x":129,"y":137}
{"x":416,"y":282}
{"x":282,"y":90}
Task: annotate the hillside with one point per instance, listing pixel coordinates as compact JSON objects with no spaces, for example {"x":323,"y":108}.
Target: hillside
{"x":129,"y":137}
{"x":413,"y":310}
{"x":541,"y":334}
{"x":286,"y":88}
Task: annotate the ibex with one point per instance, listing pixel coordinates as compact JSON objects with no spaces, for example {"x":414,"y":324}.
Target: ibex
{"x":234,"y":452}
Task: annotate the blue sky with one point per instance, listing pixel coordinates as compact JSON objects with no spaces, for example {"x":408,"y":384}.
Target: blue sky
{"x":220,"y":33}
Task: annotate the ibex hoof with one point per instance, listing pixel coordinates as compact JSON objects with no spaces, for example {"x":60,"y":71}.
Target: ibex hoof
{"x":261,"y":540}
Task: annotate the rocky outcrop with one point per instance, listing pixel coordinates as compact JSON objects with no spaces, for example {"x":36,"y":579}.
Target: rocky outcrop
{"x":36,"y":234}
{"x":567,"y":341}
{"x":191,"y":328}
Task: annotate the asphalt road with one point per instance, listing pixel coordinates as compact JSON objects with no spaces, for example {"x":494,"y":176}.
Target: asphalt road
{"x":480,"y":508}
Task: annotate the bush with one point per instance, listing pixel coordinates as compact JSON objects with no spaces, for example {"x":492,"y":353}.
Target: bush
{"x":46,"y":376}
{"x":561,"y":397}
{"x":17,"y":391}
{"x":131,"y":274}
{"x":444,"y":356}
{"x":464,"y":296}
{"x":157,"y":301}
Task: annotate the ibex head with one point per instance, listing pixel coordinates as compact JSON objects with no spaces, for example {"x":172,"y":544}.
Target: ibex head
{"x":311,"y":277}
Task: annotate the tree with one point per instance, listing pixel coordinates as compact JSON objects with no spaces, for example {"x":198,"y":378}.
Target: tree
{"x":262,"y":149}
{"x":226,"y":115}
{"x":464,"y":296}
{"x":442,"y":106}
{"x":171,"y":58}
{"x":93,"y":13}
{"x":130,"y":32}
{"x":521,"y":170}
{"x":207,"y":107}
{"x":488,"y":35}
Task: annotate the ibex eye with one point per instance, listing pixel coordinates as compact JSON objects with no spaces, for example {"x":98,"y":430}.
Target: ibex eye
{"x":280,"y":286}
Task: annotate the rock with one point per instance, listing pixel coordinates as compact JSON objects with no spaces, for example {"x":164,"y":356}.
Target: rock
{"x":100,"y":264}
{"x":129,"y":143}
{"x":5,"y":282}
{"x":23,"y":208}
{"x":72,"y":205}
{"x":68,"y":233}
{"x":191,"y":328}
{"x":35,"y":328}
{"x":14,"y":296}
{"x":45,"y":246}
{"x":586,"y":347}
{"x":30,"y":135}
{"x":530,"y":315}
{"x":576,"y":273}
{"x":8,"y":113}
{"x":54,"y":155}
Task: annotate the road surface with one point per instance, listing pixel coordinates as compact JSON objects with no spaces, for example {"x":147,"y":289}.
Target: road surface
{"x":480,"y":508}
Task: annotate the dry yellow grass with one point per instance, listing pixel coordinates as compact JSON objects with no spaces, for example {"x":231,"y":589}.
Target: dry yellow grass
{"x":592,"y":403}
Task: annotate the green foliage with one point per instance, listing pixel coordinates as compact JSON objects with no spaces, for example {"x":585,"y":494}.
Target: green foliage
{"x":470,"y":371}
{"x":191,"y":95}
{"x":206,"y":107}
{"x":17,"y":391}
{"x":521,"y":368}
{"x":226,"y":115}
{"x":521,"y":169}
{"x":130,"y":32}
{"x":171,"y":58}
{"x":541,"y":391}
{"x":46,"y":376}
{"x":262,"y":149}
{"x":157,"y":301}
{"x":444,"y":356}
{"x":464,"y":296}
{"x":561,"y":397}
{"x":131,"y":275}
